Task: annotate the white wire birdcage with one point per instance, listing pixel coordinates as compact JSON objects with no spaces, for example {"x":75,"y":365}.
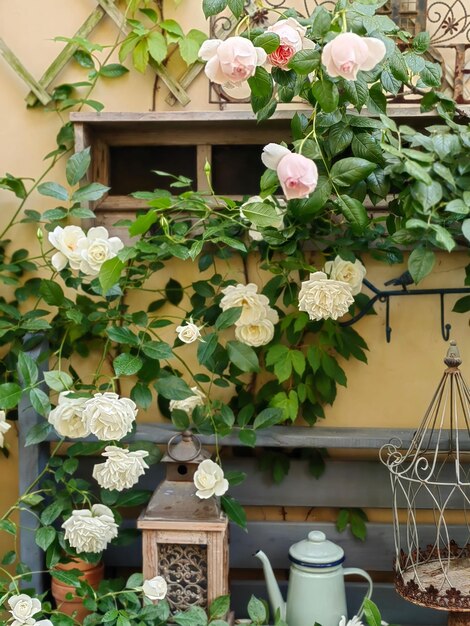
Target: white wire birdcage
{"x":432,"y":564}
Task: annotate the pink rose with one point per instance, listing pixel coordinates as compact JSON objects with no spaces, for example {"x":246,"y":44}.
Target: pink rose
{"x":297,"y":174}
{"x":348,"y":53}
{"x":231,"y":61}
{"x":292,"y":40}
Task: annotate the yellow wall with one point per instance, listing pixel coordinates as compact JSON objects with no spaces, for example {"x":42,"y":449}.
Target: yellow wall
{"x":393,"y":390}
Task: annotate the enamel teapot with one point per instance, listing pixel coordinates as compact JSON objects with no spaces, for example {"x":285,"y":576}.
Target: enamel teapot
{"x":316,"y":592}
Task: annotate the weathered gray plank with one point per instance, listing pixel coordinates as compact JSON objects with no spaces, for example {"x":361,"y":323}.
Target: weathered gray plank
{"x":31,"y":461}
{"x":296,"y":437}
{"x":344,"y":484}
{"x":394,"y":608}
{"x":275,"y":538}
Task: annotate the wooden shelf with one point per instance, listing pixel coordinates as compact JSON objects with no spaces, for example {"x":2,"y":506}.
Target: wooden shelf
{"x":286,"y":437}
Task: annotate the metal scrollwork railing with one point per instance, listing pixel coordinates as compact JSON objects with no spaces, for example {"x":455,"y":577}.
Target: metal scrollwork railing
{"x":447,"y":21}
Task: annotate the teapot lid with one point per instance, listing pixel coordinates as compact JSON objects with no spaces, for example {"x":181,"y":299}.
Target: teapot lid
{"x":316,"y":551}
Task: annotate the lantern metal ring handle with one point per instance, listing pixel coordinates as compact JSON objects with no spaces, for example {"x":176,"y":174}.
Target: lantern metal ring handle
{"x":187,"y":436}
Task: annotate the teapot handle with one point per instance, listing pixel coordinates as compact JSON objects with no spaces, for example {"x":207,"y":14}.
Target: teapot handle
{"x":348,"y":571}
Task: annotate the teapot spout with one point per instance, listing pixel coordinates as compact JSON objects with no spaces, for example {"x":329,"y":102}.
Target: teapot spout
{"x":275,"y":597}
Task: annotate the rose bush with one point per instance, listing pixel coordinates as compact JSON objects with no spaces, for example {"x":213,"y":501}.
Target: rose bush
{"x":282,"y":322}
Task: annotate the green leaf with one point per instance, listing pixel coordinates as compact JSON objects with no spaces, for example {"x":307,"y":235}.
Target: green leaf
{"x":305,"y":61}
{"x":457,"y":206}
{"x":462,"y":305}
{"x":140,"y":55}
{"x":420,"y":263}
{"x":40,"y":401}
{"x":431,"y":74}
{"x":172,"y":26}
{"x":142,"y":223}
{"x":157,"y":350}
{"x":58,"y":380}
{"x":91,"y":192}
{"x":398,"y":66}
{"x":357,"y":91}
{"x":45,"y":536}
{"x":371,"y":610}
{"x":195,"y":616}
{"x":51,"y":292}
{"x":248,"y":437}
{"x":141,"y":395}
{"x":351,"y":170}
{"x":8,"y":526}
{"x":262,"y":214}
{"x":122,"y":334}
{"x":113,"y":70}
{"x":173,"y":388}
{"x":54,"y":190}
{"x":10,"y":394}
{"x":418,"y":172}
{"x":27,"y":369}
{"x":110,"y":273}
{"x":135,"y":580}
{"x":268,"y":41}
{"x":326,"y":94}
{"x":38,"y":433}
{"x":220,"y":607}
{"x":234,"y":511}
{"x":242,"y":356}
{"x":84,"y":59}
{"x":421,"y":42}
{"x":207,"y":348}
{"x":157,"y":46}
{"x":77,"y":166}
{"x":268,"y":417}
{"x":212,"y":7}
{"x":257,"y":611}
{"x":427,"y":195}
{"x":68,"y":577}
{"x":174,"y":292}
{"x":237,"y":6}
{"x":127,"y":364}
{"x":228,"y":318}
{"x":354,"y":211}
{"x":9,"y":557}
{"x":52,"y":512}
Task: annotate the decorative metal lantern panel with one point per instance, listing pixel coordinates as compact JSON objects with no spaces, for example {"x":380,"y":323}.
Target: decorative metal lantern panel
{"x":432,"y":566}
{"x":185,"y":539}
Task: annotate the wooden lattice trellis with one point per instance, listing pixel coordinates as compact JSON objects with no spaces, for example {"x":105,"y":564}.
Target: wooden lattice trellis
{"x":39,"y":88}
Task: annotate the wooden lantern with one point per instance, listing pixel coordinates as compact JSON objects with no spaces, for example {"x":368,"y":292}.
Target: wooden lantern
{"x":185,"y":539}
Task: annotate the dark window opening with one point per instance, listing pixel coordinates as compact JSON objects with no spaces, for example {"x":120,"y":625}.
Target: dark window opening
{"x":131,"y":167}
{"x":236,"y":170}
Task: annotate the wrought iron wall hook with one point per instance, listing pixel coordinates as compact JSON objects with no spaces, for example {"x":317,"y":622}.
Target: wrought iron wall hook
{"x":384,"y":295}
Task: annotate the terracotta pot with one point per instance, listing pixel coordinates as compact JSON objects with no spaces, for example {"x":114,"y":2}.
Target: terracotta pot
{"x":93,"y":574}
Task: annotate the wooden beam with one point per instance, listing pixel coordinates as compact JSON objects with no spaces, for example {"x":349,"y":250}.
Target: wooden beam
{"x":289,"y":437}
{"x":120,"y":20}
{"x":64,"y":57}
{"x":23,"y":73}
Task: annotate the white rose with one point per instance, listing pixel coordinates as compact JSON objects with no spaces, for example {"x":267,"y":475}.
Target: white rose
{"x":347,"y":272}
{"x":65,"y":240}
{"x":232,"y":61}
{"x":95,"y":248}
{"x":155,"y":588}
{"x":323,"y":298}
{"x":67,"y":417}
{"x":90,"y":531}
{"x":189,"y":404}
{"x":253,"y":304}
{"x":188,"y":333}
{"x":4,"y":427}
{"x":258,"y":334}
{"x":108,"y":416}
{"x":278,"y":223}
{"x":23,"y":608}
{"x":209,"y":480}
{"x":122,"y":469}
